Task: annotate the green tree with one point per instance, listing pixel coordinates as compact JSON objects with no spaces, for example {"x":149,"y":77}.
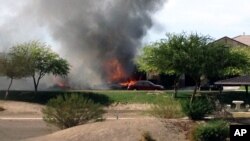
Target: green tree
{"x":165,"y":57}
{"x":147,"y":61}
{"x":172,"y":58}
{"x":196,"y":61}
{"x":2,"y":62}
{"x":195,"y":55}
{"x":209,"y":59}
{"x":238,"y":62}
{"x":13,"y":68}
{"x":40,"y":60}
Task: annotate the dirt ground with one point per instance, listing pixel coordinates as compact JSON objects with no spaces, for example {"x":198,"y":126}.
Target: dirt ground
{"x":120,"y":130}
{"x":15,"y":130}
{"x":20,"y":109}
{"x":129,"y":126}
{"x":21,"y":120}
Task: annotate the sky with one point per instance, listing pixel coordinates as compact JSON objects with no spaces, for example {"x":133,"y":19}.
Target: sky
{"x":216,"y":18}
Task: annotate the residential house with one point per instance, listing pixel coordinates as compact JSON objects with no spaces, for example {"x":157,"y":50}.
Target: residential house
{"x":239,"y":41}
{"x":167,"y":80}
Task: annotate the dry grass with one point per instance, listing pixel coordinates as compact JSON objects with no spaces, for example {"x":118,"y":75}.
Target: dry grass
{"x":241,"y":114}
{"x":167,"y":107}
{"x":191,"y":131}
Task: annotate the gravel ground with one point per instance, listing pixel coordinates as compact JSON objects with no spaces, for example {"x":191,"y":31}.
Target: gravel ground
{"x":120,"y":130}
{"x":15,"y":130}
{"x":131,"y":123}
{"x":12,"y":128}
{"x":23,"y":109}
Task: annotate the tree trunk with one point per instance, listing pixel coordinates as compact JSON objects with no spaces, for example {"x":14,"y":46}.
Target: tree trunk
{"x":7,"y":92}
{"x":246,"y":87}
{"x":175,"y":90}
{"x":195,"y":91}
{"x":35,"y":83}
{"x":176,"y":85}
{"x":36,"y":86}
{"x":197,"y":86}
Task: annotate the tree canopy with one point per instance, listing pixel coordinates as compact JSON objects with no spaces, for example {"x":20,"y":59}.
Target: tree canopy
{"x":39,"y":60}
{"x":195,"y":55}
{"x":12,"y":67}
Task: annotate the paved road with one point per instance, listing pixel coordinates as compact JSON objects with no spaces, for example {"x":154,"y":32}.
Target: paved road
{"x":15,"y":130}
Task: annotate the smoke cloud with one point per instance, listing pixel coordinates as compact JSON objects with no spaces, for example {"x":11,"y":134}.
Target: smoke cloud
{"x":89,"y":33}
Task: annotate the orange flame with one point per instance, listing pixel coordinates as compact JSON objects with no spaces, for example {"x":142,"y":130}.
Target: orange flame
{"x":128,"y":83}
{"x":60,"y":82}
{"x":115,"y":71}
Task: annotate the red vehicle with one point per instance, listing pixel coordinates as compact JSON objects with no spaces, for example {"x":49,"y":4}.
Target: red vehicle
{"x":144,"y":85}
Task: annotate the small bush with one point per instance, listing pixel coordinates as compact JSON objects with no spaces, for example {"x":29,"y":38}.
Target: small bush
{"x":146,"y":137}
{"x":212,"y":131}
{"x":1,"y":108}
{"x":198,"y":108}
{"x":167,"y":107}
{"x":71,"y":110}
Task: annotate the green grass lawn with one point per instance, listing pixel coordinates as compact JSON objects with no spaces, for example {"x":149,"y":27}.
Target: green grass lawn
{"x":101,"y":96}
{"x":133,"y":96}
{"x":243,"y":88}
{"x":166,"y":106}
{"x":106,"y":97}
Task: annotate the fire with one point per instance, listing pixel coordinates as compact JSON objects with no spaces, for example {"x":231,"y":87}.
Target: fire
{"x":60,"y":82}
{"x":115,"y":71}
{"x":116,"y":74}
{"x":125,"y":84}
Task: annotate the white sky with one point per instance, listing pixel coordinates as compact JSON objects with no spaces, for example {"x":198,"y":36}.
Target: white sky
{"x":216,"y":18}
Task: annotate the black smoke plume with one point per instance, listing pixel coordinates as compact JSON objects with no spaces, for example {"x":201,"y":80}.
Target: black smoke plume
{"x":91,"y":33}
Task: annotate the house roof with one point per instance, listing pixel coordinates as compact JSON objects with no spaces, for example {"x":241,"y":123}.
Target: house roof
{"x":243,"y":39}
{"x":232,"y":39}
{"x":235,"y":81}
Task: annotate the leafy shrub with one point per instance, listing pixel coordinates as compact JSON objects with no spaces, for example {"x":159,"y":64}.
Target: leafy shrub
{"x":191,"y":131}
{"x":212,"y":131}
{"x":167,"y":107}
{"x":71,"y":110}
{"x":1,"y":108}
{"x":198,"y":108}
{"x":146,"y":137}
